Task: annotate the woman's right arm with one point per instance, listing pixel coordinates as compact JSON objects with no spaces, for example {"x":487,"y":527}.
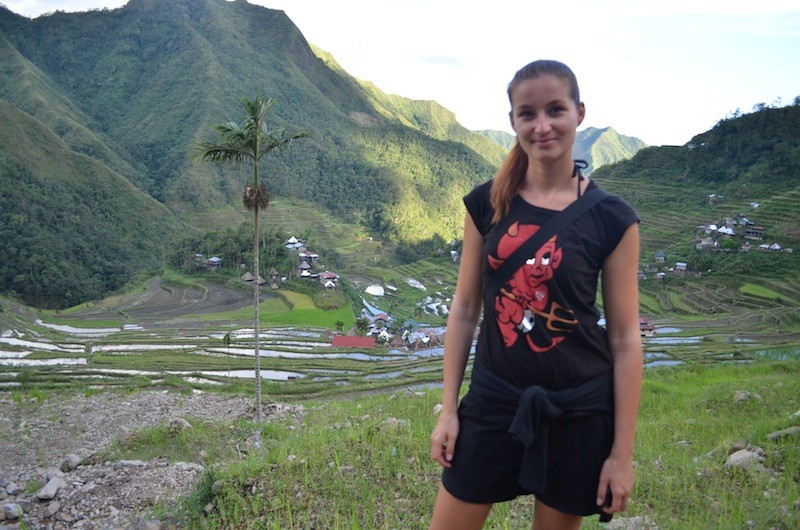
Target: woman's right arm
{"x":464,"y":314}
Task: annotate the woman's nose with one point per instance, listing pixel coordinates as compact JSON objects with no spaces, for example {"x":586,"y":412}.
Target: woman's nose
{"x":542,"y":123}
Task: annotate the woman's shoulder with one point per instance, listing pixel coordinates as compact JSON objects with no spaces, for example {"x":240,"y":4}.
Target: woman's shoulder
{"x":612,"y":202}
{"x":479,"y":205}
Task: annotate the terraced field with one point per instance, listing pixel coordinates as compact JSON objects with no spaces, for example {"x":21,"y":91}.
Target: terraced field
{"x":195,"y":337}
{"x":198,"y":337}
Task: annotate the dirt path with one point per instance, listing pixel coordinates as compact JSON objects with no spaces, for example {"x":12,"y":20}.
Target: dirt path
{"x":38,"y":437}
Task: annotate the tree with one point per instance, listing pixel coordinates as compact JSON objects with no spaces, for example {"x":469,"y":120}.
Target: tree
{"x":249,"y":142}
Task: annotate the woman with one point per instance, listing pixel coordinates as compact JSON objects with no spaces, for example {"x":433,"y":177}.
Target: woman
{"x":540,"y":349}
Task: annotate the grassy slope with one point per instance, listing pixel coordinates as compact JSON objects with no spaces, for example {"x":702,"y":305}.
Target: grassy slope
{"x":364,"y":462}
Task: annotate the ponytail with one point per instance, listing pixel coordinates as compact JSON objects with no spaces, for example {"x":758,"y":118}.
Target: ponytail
{"x":507,"y":181}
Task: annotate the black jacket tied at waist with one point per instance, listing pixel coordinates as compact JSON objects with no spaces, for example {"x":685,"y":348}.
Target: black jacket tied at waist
{"x":536,"y":408}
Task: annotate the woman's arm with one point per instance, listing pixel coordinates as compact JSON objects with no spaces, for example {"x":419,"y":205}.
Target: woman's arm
{"x":464,"y":314}
{"x":621,"y":306}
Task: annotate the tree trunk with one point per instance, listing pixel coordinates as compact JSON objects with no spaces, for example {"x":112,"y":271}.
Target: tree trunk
{"x":256,"y":316}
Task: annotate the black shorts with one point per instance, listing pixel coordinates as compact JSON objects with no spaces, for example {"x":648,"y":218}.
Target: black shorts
{"x":487,"y":460}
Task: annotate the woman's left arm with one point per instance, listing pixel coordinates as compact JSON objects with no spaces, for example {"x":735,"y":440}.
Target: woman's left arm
{"x":621,"y":306}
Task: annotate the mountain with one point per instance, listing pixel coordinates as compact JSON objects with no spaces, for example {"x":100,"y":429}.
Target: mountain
{"x":156,"y":75}
{"x":134,"y":89}
{"x":598,"y":147}
{"x":101,"y":112}
{"x":501,"y":138}
{"x":71,"y":228}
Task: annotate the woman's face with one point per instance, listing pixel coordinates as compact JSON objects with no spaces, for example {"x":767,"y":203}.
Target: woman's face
{"x":545,"y":117}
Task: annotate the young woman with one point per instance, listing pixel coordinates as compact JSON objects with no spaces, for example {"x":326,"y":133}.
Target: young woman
{"x":553,"y":399}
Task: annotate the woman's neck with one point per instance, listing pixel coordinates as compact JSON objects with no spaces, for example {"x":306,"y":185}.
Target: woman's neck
{"x":550,"y":185}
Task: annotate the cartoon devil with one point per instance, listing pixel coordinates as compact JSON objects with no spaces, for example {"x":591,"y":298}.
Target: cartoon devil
{"x":526,"y":295}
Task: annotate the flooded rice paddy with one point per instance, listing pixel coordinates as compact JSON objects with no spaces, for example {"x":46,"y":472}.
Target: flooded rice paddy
{"x":61,"y":354}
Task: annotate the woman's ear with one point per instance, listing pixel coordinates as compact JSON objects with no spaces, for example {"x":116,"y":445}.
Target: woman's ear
{"x":581,"y":112}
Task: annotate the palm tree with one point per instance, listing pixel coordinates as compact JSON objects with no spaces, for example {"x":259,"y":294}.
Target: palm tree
{"x":248,"y":142}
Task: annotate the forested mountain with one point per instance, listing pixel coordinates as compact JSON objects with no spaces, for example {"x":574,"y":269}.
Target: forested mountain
{"x":71,"y":228}
{"x":600,"y":147}
{"x":136,"y":88}
{"x":155,"y":75}
{"x":101,"y":111}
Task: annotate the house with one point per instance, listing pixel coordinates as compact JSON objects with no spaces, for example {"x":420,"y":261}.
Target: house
{"x":248,"y":277}
{"x":304,"y":266}
{"x":715,"y":198}
{"x":308,"y":256}
{"x":660,"y":256}
{"x":329,"y":285}
{"x":763,"y":246}
{"x":329,"y":276}
{"x":454,"y":255}
{"x":375,"y":290}
{"x":212,"y":263}
{"x":661,"y":275}
{"x":706,"y":242}
{"x":641,"y":275}
{"x":646,"y":329}
{"x":681,"y":266}
{"x":345,"y":341}
{"x":775,"y":247}
{"x":754,"y":232}
{"x":294,"y":244}
{"x":746,"y":247}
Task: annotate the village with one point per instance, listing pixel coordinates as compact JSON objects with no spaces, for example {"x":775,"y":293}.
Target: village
{"x":731,"y":234}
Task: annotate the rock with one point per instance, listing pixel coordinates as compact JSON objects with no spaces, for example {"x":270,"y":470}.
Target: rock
{"x":71,"y":462}
{"x":12,"y":488}
{"x":750,"y":457}
{"x":189,"y":466}
{"x":130,"y":463}
{"x":145,"y":524}
{"x":51,"y":472}
{"x":393,"y":424}
{"x":12,"y":511}
{"x":796,"y":414}
{"x":437,"y":409}
{"x":631,"y":523}
{"x":783,"y":433}
{"x":49,"y":491}
{"x":217,"y":486}
{"x":741,"y":395}
{"x":177,"y":425}
{"x":53,"y":508}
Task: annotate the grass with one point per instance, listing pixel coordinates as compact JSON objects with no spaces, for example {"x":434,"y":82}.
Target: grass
{"x":364,"y":463}
{"x":760,"y":291}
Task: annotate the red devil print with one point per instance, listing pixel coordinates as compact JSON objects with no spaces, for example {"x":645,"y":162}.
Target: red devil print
{"x":526,"y":295}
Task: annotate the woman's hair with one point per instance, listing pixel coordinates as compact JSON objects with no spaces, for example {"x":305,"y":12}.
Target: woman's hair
{"x":511,"y":174}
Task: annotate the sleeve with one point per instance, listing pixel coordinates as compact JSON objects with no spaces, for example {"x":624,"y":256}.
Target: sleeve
{"x":617,"y":216}
{"x":479,"y":206}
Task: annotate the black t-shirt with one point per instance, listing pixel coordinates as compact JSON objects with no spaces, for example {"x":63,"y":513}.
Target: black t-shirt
{"x":541,"y":328}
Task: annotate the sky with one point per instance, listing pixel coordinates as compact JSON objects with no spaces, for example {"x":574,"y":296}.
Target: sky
{"x":660,"y":70}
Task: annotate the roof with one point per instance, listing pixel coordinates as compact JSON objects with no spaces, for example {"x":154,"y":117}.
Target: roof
{"x":344,"y":341}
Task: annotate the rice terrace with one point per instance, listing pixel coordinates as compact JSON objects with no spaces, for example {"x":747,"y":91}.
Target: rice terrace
{"x":197,"y":336}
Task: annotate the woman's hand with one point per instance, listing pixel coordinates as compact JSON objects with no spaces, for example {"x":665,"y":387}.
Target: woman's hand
{"x":443,"y":439}
{"x":618,"y":478}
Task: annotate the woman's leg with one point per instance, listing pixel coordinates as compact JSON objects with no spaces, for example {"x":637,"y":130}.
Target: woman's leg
{"x":450,"y":513}
{"x":547,"y":518}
